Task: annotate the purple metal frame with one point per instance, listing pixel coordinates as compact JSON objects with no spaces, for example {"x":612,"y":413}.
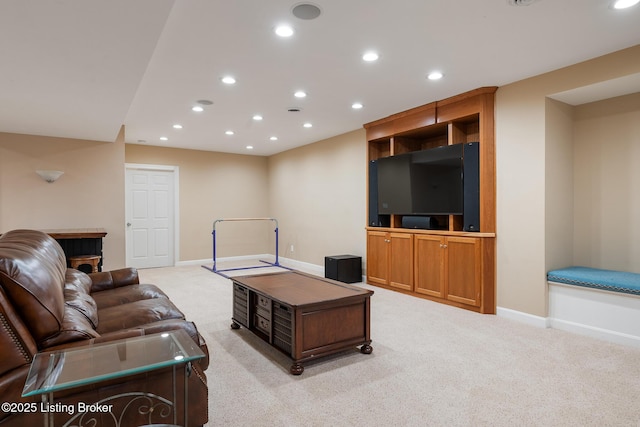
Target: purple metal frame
{"x":214,"y":269}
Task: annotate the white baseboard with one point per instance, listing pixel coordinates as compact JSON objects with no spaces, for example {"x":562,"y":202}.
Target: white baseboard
{"x":595,"y":332}
{"x":305,"y":267}
{"x":529,"y":319}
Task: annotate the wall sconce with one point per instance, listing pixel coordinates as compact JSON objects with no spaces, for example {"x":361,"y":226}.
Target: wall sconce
{"x":50,"y":176}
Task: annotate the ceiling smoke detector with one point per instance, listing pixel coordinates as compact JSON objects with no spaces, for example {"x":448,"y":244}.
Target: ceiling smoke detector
{"x":306,"y":11}
{"x":521,"y":2}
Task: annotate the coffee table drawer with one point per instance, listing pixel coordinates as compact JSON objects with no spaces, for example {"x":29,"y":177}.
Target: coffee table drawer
{"x":263,"y":303}
{"x":263,"y":324}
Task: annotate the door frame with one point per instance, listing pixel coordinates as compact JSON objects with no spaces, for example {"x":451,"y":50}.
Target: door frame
{"x":176,"y":203}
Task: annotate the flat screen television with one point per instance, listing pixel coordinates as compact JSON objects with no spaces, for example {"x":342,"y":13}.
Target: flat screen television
{"x":428,"y":182}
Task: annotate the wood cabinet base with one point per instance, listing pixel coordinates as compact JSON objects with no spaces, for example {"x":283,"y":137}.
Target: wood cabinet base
{"x":457,"y":270}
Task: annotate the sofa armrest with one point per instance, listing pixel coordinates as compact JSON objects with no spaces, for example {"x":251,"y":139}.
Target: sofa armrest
{"x":113,"y":279}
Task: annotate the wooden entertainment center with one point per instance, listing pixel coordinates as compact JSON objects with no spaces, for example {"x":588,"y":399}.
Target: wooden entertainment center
{"x":449,"y":265}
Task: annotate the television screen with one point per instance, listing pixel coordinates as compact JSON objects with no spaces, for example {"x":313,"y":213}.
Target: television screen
{"x":427,"y":182}
{"x":436,"y":188}
{"x":436,"y":183}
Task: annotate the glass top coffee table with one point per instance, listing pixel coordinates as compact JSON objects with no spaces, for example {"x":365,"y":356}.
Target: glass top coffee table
{"x":78,"y":366}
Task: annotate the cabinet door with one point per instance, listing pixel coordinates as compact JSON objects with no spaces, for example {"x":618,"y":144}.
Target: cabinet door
{"x":463,"y":270}
{"x":429,"y":265}
{"x":378,"y":257}
{"x":401,"y":261}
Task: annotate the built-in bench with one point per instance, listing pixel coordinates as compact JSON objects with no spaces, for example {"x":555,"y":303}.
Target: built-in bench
{"x":596,"y":302}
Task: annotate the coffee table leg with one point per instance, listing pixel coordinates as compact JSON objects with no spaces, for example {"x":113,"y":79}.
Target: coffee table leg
{"x":366,"y":349}
{"x":296,"y":369}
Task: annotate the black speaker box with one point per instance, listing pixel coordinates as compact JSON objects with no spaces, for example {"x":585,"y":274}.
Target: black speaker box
{"x":423,"y":222}
{"x":471,"y":187}
{"x":375,"y":219}
{"x":343,"y":268}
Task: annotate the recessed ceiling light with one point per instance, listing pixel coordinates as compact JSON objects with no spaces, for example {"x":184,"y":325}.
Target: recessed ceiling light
{"x":623,"y":4}
{"x":284,"y":30}
{"x":249,"y":147}
{"x":229,"y":132}
{"x":300,"y":94}
{"x":435,"y":75}
{"x":307,"y":125}
{"x":370,"y":56}
{"x":164,"y":138}
{"x":356,"y":105}
{"x":273,"y":138}
{"x":197,"y":109}
{"x":257,"y":117}
{"x":228,"y":80}
{"x":177,"y":126}
{"x":204,"y":102}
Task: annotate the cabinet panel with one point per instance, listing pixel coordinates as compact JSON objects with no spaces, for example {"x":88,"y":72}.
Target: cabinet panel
{"x":429,"y":265}
{"x":401,"y":261}
{"x":417,"y":120}
{"x":390,"y":259}
{"x":377,"y":257}
{"x":464,"y":259}
{"x":381,"y":130}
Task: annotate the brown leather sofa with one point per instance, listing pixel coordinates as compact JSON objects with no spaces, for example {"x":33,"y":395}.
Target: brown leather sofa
{"x":45,"y":306}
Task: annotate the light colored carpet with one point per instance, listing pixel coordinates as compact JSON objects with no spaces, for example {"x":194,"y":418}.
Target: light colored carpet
{"x":432,"y":365}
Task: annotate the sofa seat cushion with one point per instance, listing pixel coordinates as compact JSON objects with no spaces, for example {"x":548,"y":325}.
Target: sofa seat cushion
{"x":126,"y":295}
{"x":606,"y":280}
{"x":136,"y":314}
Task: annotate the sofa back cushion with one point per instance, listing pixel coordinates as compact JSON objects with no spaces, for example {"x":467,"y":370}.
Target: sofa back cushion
{"x":76,"y":295}
{"x":32,"y":273}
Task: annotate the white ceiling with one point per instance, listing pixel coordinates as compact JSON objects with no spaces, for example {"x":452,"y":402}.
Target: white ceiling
{"x":83,"y":68}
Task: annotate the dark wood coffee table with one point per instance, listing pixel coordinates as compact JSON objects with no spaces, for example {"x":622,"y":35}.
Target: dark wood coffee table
{"x":304,"y":316}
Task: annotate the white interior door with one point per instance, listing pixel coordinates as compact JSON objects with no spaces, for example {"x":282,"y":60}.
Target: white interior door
{"x":150,"y":211}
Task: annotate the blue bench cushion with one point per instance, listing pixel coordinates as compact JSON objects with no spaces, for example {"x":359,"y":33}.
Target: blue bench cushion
{"x":608,"y":280}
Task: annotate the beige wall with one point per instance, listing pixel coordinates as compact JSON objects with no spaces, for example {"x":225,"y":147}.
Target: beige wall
{"x":607,"y":189}
{"x":317,"y":193}
{"x":213,"y":186}
{"x":559,"y":184}
{"x":89,"y":194}
{"x":525,"y":175}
